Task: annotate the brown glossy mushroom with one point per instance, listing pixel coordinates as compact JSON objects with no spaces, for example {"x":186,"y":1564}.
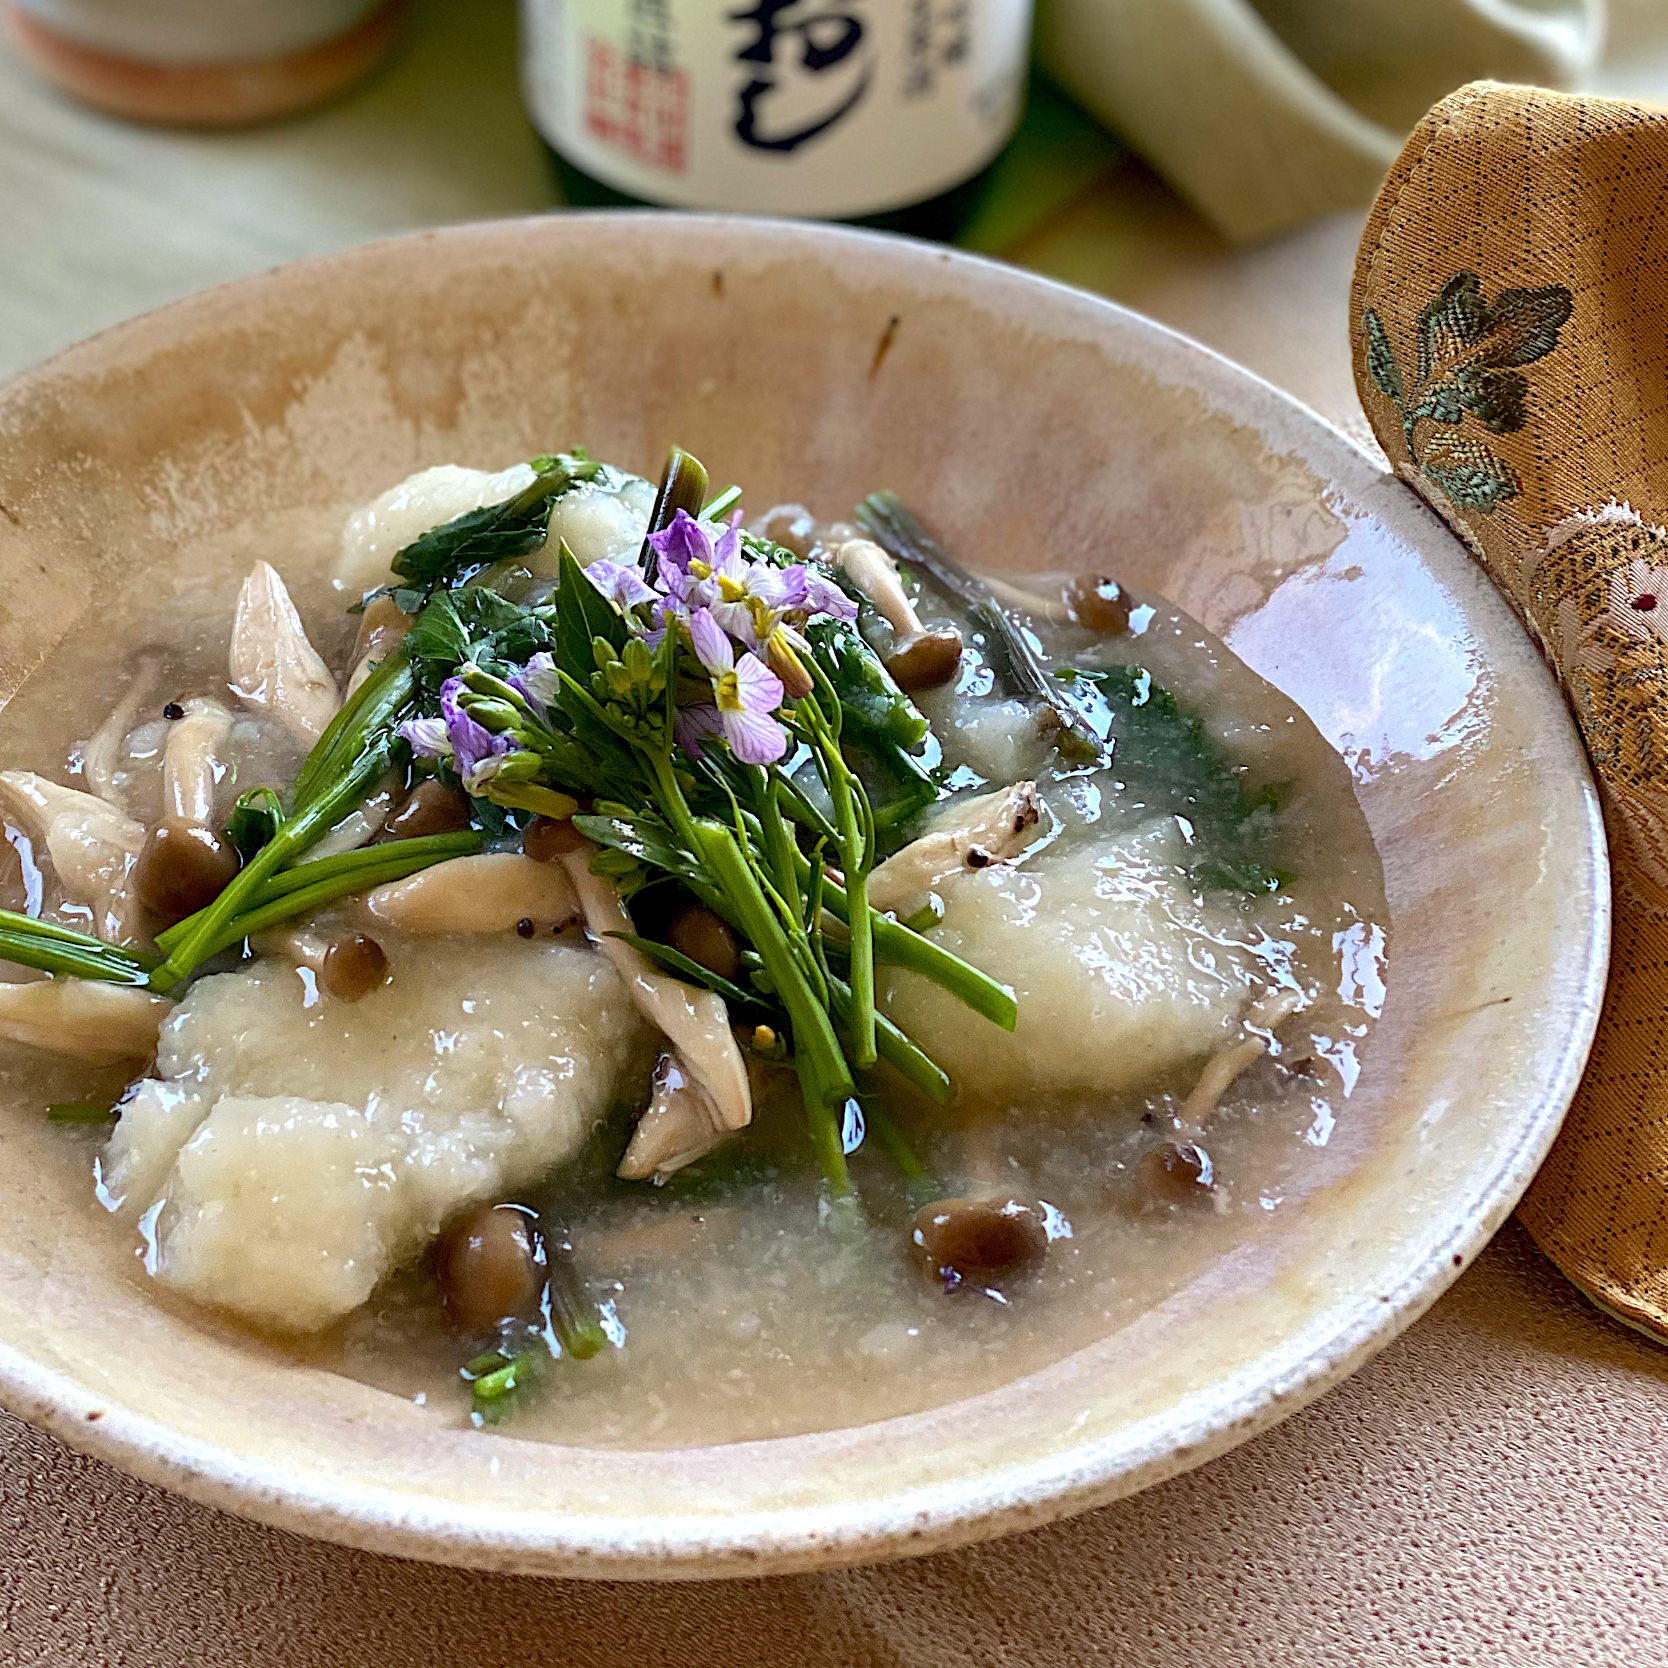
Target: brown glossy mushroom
{"x":353,"y":967}
{"x":983,"y":1243}
{"x":925,"y":659}
{"x":1099,"y":604}
{"x":1177,"y":1173}
{"x":706,"y":939}
{"x":430,"y":808}
{"x":182,"y":868}
{"x":547,"y":838}
{"x":491,"y":1265}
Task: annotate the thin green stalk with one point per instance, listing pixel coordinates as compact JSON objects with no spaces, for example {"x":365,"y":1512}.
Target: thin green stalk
{"x":897,"y":946}
{"x":50,"y":948}
{"x":573,"y":1316}
{"x":854,"y":861}
{"x":81,"y":1112}
{"x":910,"y":1062}
{"x":300,"y":832}
{"x":892,"y":1143}
{"x":825,"y":1079}
{"x":359,"y":870}
{"x":371,"y":707}
{"x":779,"y":846}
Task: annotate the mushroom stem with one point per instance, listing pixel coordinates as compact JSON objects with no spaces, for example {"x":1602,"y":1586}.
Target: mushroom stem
{"x":875,"y":574}
{"x":682,"y":1124}
{"x":194,"y":762}
{"x":382,"y":627}
{"x":696,"y":1021}
{"x":97,"y":1023}
{"x":1225,"y":1067}
{"x":493,"y":892}
{"x":93,"y":846}
{"x":100,"y":755}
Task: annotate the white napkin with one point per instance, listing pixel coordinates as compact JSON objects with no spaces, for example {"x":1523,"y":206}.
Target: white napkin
{"x":1265,"y":113}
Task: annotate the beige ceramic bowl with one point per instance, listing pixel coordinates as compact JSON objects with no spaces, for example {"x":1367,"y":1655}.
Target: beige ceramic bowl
{"x":1032,"y":425}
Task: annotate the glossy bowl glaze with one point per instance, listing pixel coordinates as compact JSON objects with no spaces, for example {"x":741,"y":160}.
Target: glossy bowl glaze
{"x":1033,"y":426}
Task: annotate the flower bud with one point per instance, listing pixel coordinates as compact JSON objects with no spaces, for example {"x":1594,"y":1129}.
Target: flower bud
{"x":490,"y":712}
{"x":786,"y":664}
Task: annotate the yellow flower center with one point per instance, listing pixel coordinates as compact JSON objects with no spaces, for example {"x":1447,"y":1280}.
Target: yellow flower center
{"x":727,"y":692}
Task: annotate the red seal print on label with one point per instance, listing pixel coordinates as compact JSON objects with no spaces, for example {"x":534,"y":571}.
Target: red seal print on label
{"x":636,"y":109}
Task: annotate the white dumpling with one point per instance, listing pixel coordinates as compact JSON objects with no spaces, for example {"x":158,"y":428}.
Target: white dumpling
{"x":294,"y":1149}
{"x":598,"y":523}
{"x":376,"y":532}
{"x":1122,"y":972}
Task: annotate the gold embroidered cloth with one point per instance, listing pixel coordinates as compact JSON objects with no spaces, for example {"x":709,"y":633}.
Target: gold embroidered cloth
{"x":1510,"y":321}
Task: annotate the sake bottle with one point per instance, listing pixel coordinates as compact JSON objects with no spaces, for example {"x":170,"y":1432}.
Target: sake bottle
{"x":885,"y":112}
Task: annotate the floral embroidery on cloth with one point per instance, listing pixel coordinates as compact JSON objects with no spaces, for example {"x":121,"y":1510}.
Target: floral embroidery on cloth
{"x":1469,"y":351}
{"x":1598,"y":596}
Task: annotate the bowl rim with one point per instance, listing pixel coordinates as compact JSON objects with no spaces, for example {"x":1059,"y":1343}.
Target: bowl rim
{"x":1181,"y":1436}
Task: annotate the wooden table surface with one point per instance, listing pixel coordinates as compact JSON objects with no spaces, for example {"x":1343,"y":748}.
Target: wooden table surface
{"x":1490,"y":1490}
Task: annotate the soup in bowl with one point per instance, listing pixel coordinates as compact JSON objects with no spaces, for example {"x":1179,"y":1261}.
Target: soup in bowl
{"x":661,"y":922}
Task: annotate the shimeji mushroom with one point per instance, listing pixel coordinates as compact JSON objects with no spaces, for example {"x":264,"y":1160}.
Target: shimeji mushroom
{"x":382,"y":628}
{"x":971,"y":834}
{"x":101,"y":756}
{"x":494,"y":892}
{"x":920,"y":659}
{"x":273,"y":666}
{"x":94,"y":1022}
{"x":682,"y":1124}
{"x":696,"y":1022}
{"x":93,"y":847}
{"x":186,"y":863}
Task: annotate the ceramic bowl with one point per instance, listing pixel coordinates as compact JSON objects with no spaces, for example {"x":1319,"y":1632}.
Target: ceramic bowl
{"x":1032,"y":425}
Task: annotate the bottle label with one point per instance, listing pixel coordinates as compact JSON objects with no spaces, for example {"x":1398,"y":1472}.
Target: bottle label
{"x":837,"y":108}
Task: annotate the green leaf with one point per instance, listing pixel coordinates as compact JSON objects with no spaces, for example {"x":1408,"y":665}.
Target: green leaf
{"x":445,"y":555}
{"x":644,"y":838}
{"x":1450,"y":323}
{"x":583,"y":614}
{"x":257,"y":816}
{"x":1381,"y":357}
{"x":1498,"y":398}
{"x":1182,"y":772}
{"x":1469,"y":472}
{"x":866,"y":691}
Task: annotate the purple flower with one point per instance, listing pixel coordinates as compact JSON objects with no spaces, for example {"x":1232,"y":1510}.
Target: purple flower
{"x":623,"y":586}
{"x":477,"y":754}
{"x":538,"y":683}
{"x":823,"y":596}
{"x":745,"y":692}
{"x":427,"y":737}
{"x":693,"y":727}
{"x":685,"y":542}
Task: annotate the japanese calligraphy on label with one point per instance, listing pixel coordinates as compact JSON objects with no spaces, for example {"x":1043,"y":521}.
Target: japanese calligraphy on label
{"x":820,"y":107}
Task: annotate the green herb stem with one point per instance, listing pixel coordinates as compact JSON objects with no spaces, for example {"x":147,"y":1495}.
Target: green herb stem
{"x":51,"y":948}
{"x":825,"y":1079}
{"x":573,"y":1316}
{"x":208,"y":934}
{"x":897,"y":946}
{"x":338,"y":876}
{"x":81,"y":1112}
{"x":910,"y":1062}
{"x":371,"y":707}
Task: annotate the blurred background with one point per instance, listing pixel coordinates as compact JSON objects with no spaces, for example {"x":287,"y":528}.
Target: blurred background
{"x":1208,"y":161}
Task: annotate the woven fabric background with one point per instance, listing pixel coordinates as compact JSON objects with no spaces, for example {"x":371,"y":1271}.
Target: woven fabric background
{"x":1510,"y":319}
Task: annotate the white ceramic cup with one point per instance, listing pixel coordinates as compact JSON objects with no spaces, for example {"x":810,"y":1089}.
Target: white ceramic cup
{"x":1266,"y":113}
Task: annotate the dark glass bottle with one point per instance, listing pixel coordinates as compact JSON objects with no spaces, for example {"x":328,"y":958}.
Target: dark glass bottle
{"x":884,"y":113}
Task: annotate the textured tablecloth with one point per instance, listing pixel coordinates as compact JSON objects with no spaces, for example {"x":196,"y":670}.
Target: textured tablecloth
{"x":1492,"y":1489}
